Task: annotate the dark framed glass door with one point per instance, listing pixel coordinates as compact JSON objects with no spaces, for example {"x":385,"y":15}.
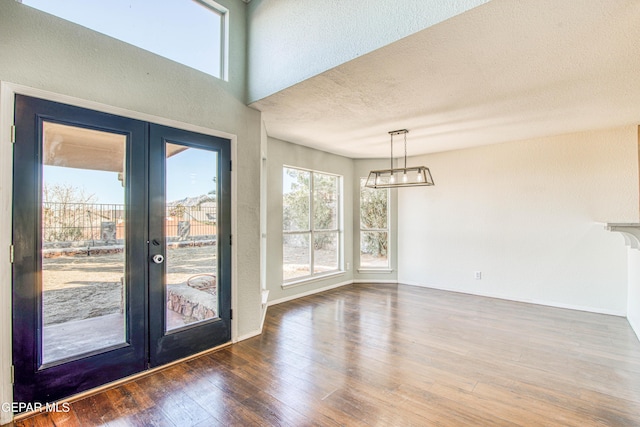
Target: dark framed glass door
{"x":90,"y":302}
{"x":76,"y":320}
{"x":189,"y":223}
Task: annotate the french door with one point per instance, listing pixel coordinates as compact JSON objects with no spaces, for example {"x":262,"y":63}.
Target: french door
{"x":121,"y":237}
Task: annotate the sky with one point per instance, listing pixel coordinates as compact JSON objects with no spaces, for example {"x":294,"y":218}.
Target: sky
{"x":103,"y":185}
{"x":182,"y":30}
{"x":190,"y":173}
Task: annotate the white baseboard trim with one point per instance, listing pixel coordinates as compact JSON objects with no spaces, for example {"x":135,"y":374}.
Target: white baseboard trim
{"x":525,"y":300}
{"x":248,"y":335}
{"x":265,"y":307}
{"x":311,"y":292}
{"x":635,"y":325}
{"x":391,"y":282}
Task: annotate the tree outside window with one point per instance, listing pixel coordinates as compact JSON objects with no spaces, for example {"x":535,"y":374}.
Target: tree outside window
{"x":311,"y":223}
{"x":374,"y":227}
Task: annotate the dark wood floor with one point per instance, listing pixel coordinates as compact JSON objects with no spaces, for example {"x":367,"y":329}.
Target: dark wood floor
{"x":393,"y":355}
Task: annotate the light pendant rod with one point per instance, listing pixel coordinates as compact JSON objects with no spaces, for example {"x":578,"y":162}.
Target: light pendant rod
{"x":391,"y":159}
{"x":405,"y":149}
{"x":399,"y":132}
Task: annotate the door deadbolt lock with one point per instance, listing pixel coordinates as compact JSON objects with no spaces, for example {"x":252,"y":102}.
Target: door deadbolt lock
{"x":158,"y":259}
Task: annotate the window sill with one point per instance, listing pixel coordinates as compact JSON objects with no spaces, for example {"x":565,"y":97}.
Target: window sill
{"x":375,"y":270}
{"x":309,"y":280}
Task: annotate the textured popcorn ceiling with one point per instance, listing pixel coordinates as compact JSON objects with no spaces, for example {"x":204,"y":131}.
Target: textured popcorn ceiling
{"x":504,"y":71}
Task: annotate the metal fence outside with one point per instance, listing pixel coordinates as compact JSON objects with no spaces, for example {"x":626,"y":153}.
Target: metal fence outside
{"x":83,"y":222}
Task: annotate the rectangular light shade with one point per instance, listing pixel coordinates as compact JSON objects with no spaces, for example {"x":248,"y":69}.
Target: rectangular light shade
{"x":400,"y":177}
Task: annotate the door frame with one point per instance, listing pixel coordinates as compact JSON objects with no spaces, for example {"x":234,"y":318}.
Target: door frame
{"x":7,"y":95}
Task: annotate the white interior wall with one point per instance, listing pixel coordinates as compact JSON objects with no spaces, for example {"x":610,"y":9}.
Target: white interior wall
{"x":280,"y":154}
{"x":46,"y":53}
{"x":292,"y":40}
{"x":529,"y":215}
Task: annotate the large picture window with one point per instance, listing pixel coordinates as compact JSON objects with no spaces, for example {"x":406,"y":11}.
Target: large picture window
{"x":374,"y":227}
{"x":311,"y":205}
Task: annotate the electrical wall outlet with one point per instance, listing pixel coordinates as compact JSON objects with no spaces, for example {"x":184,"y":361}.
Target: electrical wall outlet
{"x":348,"y":266}
{"x":477,"y":275}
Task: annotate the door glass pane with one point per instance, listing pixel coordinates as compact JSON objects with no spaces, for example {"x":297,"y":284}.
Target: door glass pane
{"x":83,"y":241}
{"x":296,"y":256}
{"x":191,"y":216}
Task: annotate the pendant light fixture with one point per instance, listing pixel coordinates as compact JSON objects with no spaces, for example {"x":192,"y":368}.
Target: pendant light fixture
{"x":400,"y":177}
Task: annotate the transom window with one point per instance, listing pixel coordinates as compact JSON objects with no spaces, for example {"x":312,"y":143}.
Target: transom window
{"x":311,"y":226}
{"x":191,"y":32}
{"x":374,"y":227}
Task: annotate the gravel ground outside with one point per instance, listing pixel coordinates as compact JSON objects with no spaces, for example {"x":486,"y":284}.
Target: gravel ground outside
{"x":82,"y":287}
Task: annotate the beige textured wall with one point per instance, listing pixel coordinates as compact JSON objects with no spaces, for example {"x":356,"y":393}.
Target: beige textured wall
{"x":528,"y":215}
{"x":47,"y":53}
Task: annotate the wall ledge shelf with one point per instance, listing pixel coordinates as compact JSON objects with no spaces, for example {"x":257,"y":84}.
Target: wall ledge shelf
{"x":630,"y":232}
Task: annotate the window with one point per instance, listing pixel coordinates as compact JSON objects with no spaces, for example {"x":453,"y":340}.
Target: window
{"x":191,"y":32}
{"x":374,"y":227}
{"x":312,"y":207}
